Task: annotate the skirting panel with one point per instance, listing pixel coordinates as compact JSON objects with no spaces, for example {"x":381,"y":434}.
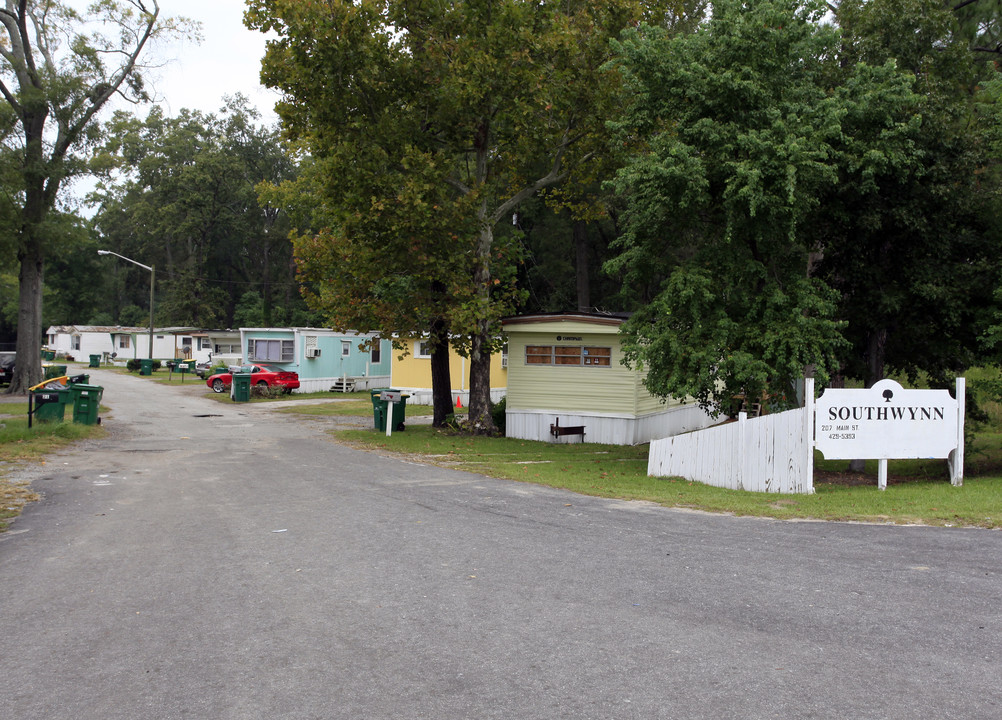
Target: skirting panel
{"x":610,"y":430}
{"x":422,"y":396}
{"x":309,"y":385}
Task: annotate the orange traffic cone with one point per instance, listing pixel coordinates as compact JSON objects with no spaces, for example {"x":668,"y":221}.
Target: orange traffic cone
{"x":459,"y":402}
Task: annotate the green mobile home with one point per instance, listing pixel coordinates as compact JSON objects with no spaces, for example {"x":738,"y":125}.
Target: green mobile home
{"x":565,"y":374}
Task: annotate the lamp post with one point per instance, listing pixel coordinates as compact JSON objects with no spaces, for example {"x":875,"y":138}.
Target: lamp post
{"x":152,"y":275}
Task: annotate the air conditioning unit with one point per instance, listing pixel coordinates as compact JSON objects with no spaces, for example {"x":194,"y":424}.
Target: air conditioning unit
{"x":313,"y":352}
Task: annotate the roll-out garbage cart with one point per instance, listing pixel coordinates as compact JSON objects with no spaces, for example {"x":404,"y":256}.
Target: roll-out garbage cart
{"x":53,"y":371}
{"x":95,"y":361}
{"x":145,"y":367}
{"x":50,"y":403}
{"x":86,"y":401}
{"x":240,"y":390}
{"x":380,"y":409}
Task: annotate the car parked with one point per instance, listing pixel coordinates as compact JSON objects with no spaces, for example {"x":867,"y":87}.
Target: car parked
{"x":6,"y":367}
{"x":261,"y":376}
{"x":202,"y":368}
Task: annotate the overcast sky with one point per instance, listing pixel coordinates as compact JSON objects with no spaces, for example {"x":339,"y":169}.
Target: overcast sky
{"x":228,"y":60}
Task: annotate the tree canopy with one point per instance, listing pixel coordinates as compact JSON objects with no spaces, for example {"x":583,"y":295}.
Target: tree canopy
{"x":732,"y":126}
{"x":430,"y":124}
{"x":182,"y":195}
{"x":804,"y":193}
{"x":58,"y":68}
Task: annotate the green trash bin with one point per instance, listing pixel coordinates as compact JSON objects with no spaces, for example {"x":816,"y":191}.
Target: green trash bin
{"x":241,"y":388}
{"x":380,"y":409}
{"x":53,"y":371}
{"x":145,"y":367}
{"x":48,"y":354}
{"x":86,"y":402}
{"x":50,"y":403}
{"x":95,"y":361}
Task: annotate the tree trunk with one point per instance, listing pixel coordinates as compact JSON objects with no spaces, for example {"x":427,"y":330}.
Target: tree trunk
{"x":481,"y":340}
{"x":481,"y":420}
{"x":441,"y":373}
{"x":28,"y":363}
{"x":581,"y":264}
{"x":876,"y":351}
{"x":876,"y":345}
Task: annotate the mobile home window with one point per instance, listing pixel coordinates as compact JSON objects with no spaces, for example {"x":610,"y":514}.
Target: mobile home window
{"x":597,"y":356}
{"x":375,"y":354}
{"x":538,"y":354}
{"x":575,"y":355}
{"x":270,"y":350}
{"x":123,"y":342}
{"x":345,"y":348}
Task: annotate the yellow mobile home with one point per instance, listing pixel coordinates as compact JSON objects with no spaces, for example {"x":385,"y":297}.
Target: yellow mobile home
{"x":412,"y":373}
{"x":566,"y":383}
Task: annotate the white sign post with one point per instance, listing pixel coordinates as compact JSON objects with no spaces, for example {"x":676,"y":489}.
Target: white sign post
{"x":887,"y":421}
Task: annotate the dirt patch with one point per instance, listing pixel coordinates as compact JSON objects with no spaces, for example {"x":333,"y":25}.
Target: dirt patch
{"x":848,"y":479}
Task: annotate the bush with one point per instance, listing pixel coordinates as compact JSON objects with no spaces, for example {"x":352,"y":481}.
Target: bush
{"x":135,"y":365}
{"x":263,"y":391}
{"x":498,"y":414}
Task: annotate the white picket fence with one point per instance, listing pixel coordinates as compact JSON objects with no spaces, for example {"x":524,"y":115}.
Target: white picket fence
{"x":773,"y":453}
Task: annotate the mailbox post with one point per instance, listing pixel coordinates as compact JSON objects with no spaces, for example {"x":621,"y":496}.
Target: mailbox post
{"x":392,"y":398}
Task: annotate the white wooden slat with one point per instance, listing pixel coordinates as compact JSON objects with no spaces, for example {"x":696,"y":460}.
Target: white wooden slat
{"x":764,"y":454}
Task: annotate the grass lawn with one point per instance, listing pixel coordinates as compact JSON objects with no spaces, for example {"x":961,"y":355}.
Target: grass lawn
{"x":918,"y":491}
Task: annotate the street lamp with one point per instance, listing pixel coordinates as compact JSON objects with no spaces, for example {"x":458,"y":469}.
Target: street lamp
{"x":152,"y":274}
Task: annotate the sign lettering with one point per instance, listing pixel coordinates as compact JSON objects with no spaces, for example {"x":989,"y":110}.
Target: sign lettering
{"x":886,"y":421}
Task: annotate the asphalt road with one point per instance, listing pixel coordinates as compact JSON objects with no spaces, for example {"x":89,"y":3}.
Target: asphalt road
{"x":213,"y":560}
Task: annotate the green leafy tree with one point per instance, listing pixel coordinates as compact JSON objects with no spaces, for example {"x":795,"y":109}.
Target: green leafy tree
{"x":58,"y":69}
{"x":250,"y":310}
{"x":732,"y":128}
{"x":430,"y":124}
{"x":908,"y":233}
{"x":184,"y":199}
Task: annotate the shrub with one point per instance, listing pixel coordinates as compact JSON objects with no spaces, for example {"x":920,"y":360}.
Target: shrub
{"x":263,"y":391}
{"x":498,"y":414}
{"x":135,"y":365}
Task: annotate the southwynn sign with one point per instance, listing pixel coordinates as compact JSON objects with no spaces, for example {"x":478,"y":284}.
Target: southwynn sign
{"x":775,"y":452}
{"x":887,"y":421}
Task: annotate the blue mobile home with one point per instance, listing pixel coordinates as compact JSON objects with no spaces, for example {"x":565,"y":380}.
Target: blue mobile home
{"x":323,"y":358}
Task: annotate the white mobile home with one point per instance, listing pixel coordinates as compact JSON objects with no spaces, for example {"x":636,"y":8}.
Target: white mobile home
{"x":126,"y":343}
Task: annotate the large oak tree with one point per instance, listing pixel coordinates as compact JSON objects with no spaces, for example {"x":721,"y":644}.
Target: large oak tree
{"x":58,"y":69}
{"x":431,"y":122}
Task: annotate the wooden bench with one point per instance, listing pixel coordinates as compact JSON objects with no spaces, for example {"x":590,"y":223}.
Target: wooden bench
{"x":343,"y":385}
{"x":557,"y":431}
